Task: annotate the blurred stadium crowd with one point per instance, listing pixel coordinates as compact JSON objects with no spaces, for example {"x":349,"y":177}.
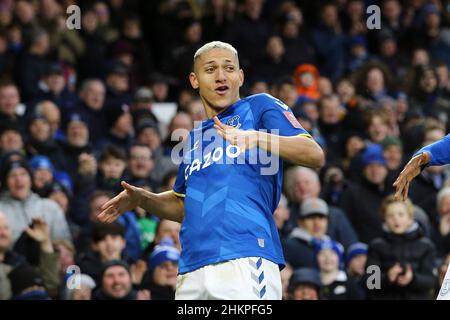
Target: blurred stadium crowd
{"x":80,"y":110}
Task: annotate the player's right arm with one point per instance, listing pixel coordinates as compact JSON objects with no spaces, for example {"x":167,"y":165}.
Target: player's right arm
{"x":165,"y":205}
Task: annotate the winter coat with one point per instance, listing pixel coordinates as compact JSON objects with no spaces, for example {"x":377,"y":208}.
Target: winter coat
{"x":410,"y":248}
{"x":20,"y":213}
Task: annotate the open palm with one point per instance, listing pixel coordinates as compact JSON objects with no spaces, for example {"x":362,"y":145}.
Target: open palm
{"x":125,"y":201}
{"x":411,"y":170}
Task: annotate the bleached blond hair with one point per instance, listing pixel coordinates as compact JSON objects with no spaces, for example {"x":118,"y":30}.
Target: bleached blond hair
{"x":214,"y":45}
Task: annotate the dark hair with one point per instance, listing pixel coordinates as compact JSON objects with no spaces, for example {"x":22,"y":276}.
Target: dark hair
{"x":101,"y":230}
{"x":100,"y":193}
{"x":111,"y":151}
{"x":360,"y":77}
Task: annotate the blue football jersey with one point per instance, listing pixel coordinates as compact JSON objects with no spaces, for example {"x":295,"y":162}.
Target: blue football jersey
{"x":229,"y":199}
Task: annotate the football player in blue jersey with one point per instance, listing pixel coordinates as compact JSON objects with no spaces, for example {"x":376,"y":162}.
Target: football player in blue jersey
{"x":223,"y":198}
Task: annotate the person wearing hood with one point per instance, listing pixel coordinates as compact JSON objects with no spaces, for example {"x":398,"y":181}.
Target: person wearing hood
{"x":312,"y":224}
{"x":406,"y":258}
{"x":306,"y":79}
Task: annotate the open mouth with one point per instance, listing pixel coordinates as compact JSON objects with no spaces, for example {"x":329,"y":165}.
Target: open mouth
{"x":222,"y":90}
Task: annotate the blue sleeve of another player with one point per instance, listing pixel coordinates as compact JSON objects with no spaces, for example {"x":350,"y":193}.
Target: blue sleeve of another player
{"x":179,"y":188}
{"x":274,"y":114}
{"x":439,"y":152}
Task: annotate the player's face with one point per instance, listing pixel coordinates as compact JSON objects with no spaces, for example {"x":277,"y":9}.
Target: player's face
{"x":218,"y":78}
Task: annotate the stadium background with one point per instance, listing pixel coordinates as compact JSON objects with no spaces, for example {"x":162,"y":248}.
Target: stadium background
{"x":82,"y":109}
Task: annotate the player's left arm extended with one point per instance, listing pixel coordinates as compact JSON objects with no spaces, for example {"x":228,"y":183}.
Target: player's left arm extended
{"x":300,"y":150}
{"x":439,"y":152}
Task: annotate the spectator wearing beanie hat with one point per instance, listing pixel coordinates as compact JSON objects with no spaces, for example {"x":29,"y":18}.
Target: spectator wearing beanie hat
{"x":27,"y":284}
{"x":21,"y":205}
{"x":162,"y":272}
{"x":42,"y":174}
{"x":305,"y":284}
{"x":356,"y":258}
{"x":336,"y":283}
{"x":117,"y":86}
{"x":115,"y":283}
{"x":120,"y":128}
{"x":362,"y":199}
{"x":355,"y":261}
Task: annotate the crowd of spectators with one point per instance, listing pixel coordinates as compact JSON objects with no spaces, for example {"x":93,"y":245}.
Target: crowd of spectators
{"x":80,"y":110}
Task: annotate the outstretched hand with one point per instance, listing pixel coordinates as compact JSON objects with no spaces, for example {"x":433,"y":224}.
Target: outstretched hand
{"x":39,"y":231}
{"x":125,"y":201}
{"x":244,"y":139}
{"x":409,"y":172}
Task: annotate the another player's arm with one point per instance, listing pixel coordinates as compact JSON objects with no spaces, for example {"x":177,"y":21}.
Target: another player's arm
{"x":165,"y":205}
{"x":435,"y":154}
{"x":301,"y":149}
